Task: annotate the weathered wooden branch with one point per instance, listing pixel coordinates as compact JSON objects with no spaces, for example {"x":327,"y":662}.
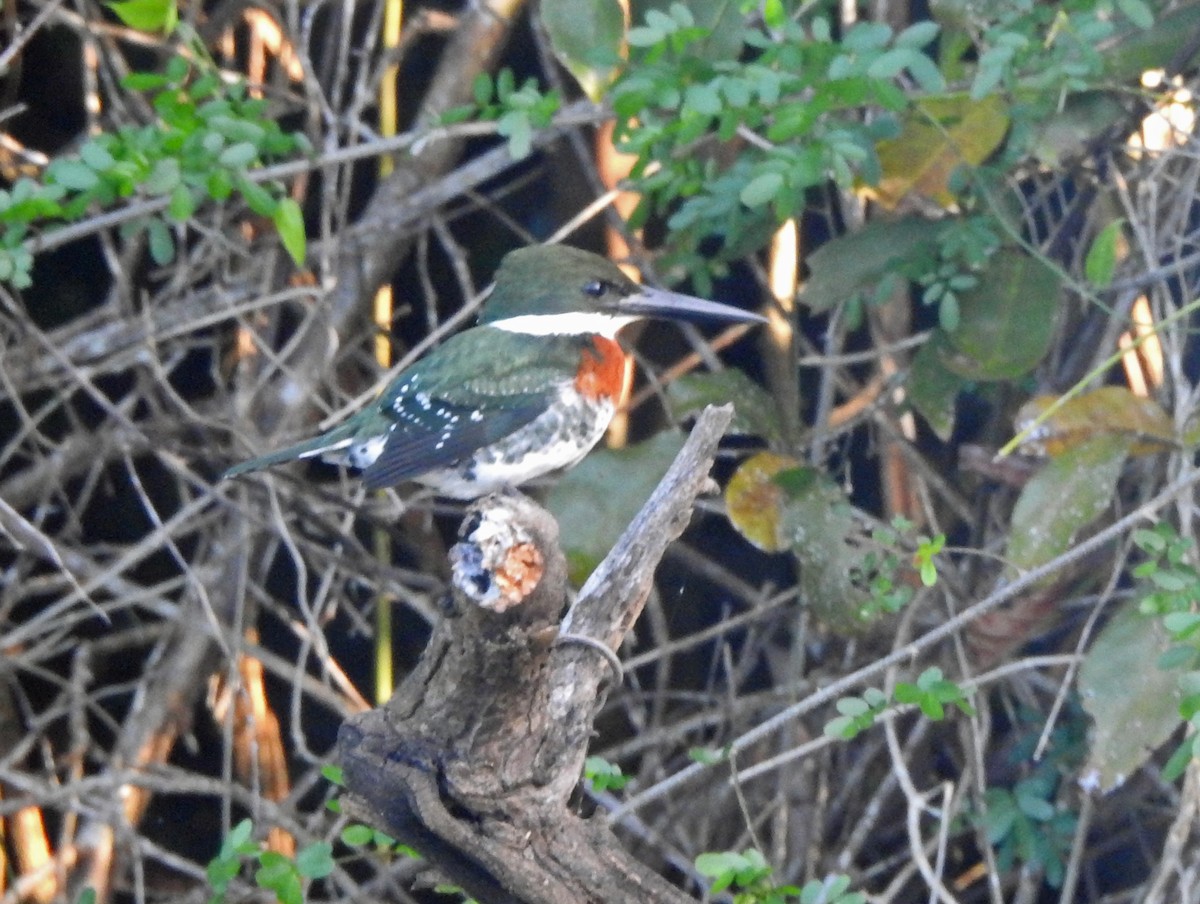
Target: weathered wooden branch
{"x":474,"y":758}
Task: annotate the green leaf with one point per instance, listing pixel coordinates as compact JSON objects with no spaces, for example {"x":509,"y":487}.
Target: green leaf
{"x":238,"y":156}
{"x":280,"y":875}
{"x":145,"y":81}
{"x":164,"y":178}
{"x":918,"y":35}
{"x":774,"y":14}
{"x":219,"y":185}
{"x":147,"y":15}
{"x":221,"y":871}
{"x":357,"y":835}
{"x":892,"y":63}
{"x":1101,"y":261}
{"x":718,"y":863}
{"x":73,"y":174}
{"x":762,"y":189}
{"x":643,"y":36}
{"x":1133,"y":704}
{"x":1181,"y":624}
{"x":240,"y":833}
{"x":1035,"y":807}
{"x":316,"y":860}
{"x":703,"y":99}
{"x":516,"y":127}
{"x":260,"y":200}
{"x":586,"y":36}
{"x":852,"y":706}
{"x":707,"y":756}
{"x":183,"y":203}
{"x":932,"y":389}
{"x":1137,"y":11}
{"x":926,"y":73}
{"x":1063,"y":498}
{"x":827,"y":542}
{"x":162,"y":245}
{"x":289,"y":220}
{"x":853,"y":263}
{"x":1007,"y":321}
{"x":96,"y":155}
{"x":754,"y":411}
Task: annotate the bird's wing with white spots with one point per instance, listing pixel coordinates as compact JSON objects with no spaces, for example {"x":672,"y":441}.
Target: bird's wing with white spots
{"x":469,"y":392}
{"x":433,"y":433}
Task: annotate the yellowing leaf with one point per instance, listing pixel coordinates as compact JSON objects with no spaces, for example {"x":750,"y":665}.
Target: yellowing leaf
{"x":755,"y":502}
{"x":1107,"y":411}
{"x":942,"y":133}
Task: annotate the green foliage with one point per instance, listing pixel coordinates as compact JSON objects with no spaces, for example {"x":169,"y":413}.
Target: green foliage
{"x":931,"y":693}
{"x":748,"y":874}
{"x":358,"y":835}
{"x":1023,"y":822}
{"x":1101,"y":262}
{"x":882,"y":566}
{"x":1170,"y":591}
{"x":147,"y":15}
{"x":586,"y":36}
{"x":793,"y":102}
{"x":209,"y":133}
{"x":517,"y":112}
{"x":857,"y":714}
{"x":1171,"y":584}
{"x":276,"y":873}
{"x":1025,"y":827}
{"x":1047,"y":47}
{"x":603,"y":775}
{"x":927,"y":550}
{"x":960,"y":254}
{"x":446,"y":888}
{"x":707,"y":755}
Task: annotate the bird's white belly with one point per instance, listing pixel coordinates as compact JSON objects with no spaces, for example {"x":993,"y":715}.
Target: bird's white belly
{"x":557,"y":439}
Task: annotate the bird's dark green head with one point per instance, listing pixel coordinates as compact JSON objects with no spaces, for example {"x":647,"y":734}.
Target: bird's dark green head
{"x":554,"y":279}
{"x":555,"y":289}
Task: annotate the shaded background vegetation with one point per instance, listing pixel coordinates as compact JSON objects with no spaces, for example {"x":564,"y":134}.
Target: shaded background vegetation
{"x":954,"y":216}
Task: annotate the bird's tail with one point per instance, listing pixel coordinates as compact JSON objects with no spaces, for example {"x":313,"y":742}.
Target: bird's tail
{"x":335,"y":439}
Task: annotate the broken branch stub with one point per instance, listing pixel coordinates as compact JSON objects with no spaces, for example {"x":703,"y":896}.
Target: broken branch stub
{"x":474,"y":759}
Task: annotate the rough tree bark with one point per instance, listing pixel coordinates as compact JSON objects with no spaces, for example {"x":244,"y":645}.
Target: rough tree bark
{"x":474,"y":758}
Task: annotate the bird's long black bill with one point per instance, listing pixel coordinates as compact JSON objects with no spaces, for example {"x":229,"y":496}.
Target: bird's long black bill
{"x":651,"y":302}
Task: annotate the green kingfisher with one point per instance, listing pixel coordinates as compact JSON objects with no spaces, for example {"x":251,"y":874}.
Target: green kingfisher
{"x":529,"y":390}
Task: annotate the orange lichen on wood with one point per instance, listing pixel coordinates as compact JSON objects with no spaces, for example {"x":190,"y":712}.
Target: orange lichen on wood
{"x":518,"y":575}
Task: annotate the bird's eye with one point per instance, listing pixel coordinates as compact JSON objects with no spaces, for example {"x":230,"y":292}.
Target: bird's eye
{"x":597,"y":288}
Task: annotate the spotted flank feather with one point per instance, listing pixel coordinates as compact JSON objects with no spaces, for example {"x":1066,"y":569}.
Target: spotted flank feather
{"x":429,"y":436}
